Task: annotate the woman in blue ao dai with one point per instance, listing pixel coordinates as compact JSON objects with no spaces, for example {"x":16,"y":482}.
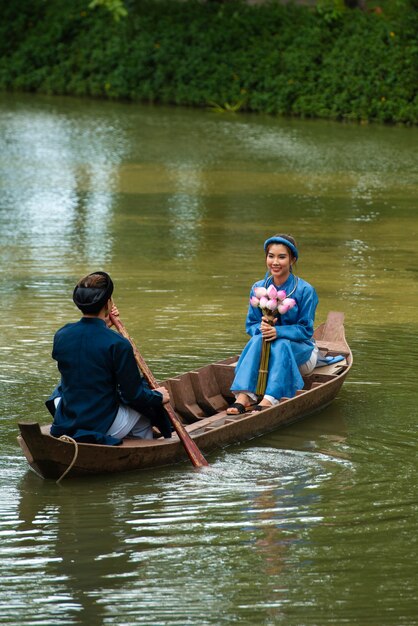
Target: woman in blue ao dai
{"x":292,"y":351}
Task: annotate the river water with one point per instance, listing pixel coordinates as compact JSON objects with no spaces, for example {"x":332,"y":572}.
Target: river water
{"x":314,"y":524}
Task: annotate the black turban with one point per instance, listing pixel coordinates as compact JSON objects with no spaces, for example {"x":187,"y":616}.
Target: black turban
{"x":91,"y":300}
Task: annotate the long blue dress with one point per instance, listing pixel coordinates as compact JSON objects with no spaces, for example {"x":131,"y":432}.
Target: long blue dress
{"x":292,"y":348}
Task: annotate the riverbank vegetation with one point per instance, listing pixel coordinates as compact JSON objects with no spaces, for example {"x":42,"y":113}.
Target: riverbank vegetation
{"x":326,"y":61}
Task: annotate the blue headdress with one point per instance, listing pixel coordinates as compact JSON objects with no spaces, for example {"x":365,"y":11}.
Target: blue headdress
{"x":284,"y":242}
{"x":268,"y":278}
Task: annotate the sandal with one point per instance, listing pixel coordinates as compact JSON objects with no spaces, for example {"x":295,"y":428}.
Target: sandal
{"x":239,"y":407}
{"x":261,"y":407}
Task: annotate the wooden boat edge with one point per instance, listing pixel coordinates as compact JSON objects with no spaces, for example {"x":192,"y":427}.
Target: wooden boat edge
{"x":211,"y":432}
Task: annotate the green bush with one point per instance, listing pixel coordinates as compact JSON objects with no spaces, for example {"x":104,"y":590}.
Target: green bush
{"x":282,"y":59}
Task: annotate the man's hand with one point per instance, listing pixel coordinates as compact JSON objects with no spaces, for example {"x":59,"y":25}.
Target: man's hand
{"x":166,"y":395}
{"x":113,"y":311}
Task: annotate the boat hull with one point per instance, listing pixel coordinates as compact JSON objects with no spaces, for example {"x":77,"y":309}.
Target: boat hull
{"x":200,"y":397}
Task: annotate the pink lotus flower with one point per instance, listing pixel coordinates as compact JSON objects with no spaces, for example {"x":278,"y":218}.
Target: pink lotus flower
{"x":254,"y":301}
{"x":281,"y":294}
{"x":272,"y":292}
{"x":271,"y":304}
{"x":283,"y":308}
{"x":260,"y":292}
{"x":263,"y":302}
{"x":290,"y":302}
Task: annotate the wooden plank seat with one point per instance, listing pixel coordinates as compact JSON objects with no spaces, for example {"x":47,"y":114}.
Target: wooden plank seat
{"x":224,"y":375}
{"x":332,"y":348}
{"x":184,"y":399}
{"x":207,"y":392}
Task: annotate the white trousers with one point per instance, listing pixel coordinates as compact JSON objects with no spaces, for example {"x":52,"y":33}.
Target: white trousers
{"x":130,"y":423}
{"x":127,"y":423}
{"x":309,"y":366}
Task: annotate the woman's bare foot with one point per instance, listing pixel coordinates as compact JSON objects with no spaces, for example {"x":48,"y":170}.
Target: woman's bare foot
{"x":265,"y":403}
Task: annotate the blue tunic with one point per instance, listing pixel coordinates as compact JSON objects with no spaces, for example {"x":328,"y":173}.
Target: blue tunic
{"x":98,"y":372}
{"x":293,"y":346}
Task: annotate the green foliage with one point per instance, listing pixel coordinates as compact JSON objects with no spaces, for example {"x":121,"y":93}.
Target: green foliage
{"x":282,"y":59}
{"x":115,"y":7}
{"x":331,"y":10}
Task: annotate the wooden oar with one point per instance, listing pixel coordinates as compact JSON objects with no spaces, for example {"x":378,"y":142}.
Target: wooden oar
{"x":190,"y":446}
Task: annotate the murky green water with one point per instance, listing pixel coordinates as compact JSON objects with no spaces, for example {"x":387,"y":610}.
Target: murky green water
{"x":315,"y":524}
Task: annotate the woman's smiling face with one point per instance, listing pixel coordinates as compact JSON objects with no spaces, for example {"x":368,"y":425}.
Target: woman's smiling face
{"x":278,"y":260}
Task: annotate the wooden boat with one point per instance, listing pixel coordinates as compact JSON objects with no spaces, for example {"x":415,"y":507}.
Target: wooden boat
{"x":201,"y":398}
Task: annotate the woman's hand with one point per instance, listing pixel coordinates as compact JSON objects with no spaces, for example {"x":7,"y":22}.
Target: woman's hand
{"x":267,"y":330}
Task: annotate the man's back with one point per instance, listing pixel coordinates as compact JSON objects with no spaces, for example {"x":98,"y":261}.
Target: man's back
{"x":87,"y":353}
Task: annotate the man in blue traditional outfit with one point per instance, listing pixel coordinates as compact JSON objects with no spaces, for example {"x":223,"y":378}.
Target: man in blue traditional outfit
{"x":102,"y":397}
{"x":292,"y":349}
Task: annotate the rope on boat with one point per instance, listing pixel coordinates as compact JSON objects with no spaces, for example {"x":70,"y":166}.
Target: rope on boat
{"x":69,"y":439}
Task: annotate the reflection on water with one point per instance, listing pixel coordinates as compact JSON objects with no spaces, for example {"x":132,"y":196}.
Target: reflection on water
{"x":186,"y":212}
{"x":313,"y":524}
{"x":58,"y":173}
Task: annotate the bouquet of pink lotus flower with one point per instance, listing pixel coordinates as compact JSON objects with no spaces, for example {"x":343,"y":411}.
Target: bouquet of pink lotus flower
{"x":272,"y":302}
